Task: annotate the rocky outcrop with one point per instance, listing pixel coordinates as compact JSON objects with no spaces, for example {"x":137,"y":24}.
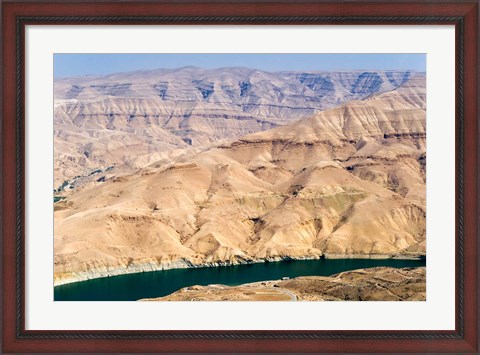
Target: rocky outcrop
{"x":373,"y":284}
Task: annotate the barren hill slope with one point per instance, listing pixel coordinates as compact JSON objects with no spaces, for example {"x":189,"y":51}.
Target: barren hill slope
{"x":115,"y":119}
{"x":346,"y":182}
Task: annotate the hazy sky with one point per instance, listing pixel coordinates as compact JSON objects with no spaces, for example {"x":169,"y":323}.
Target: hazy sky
{"x":66,"y":65}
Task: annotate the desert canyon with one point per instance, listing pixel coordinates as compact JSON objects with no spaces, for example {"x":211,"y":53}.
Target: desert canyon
{"x":194,"y":167}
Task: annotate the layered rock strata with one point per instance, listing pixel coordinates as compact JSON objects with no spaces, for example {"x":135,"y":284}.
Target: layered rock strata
{"x":130,"y":118}
{"x":346,"y":182}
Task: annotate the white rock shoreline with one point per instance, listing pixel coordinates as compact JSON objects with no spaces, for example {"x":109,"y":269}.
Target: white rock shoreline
{"x":184,"y":264}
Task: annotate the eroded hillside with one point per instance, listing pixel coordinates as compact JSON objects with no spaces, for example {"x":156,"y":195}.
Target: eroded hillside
{"x":344,"y":182}
{"x":133,"y":118}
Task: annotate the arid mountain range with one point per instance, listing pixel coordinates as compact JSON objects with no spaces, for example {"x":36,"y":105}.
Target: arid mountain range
{"x":137,"y":117}
{"x":195,"y":167}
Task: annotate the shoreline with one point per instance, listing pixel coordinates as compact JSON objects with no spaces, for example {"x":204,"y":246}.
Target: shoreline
{"x":364,"y":284}
{"x":184,"y":264}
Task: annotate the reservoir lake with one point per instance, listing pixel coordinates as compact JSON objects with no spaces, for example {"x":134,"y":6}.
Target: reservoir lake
{"x":132,"y":287}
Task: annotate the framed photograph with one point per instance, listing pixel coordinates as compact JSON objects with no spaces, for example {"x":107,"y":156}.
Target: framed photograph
{"x":240,"y":177}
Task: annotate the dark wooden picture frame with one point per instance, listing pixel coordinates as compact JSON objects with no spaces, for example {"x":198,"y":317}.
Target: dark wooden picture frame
{"x":17,"y":14}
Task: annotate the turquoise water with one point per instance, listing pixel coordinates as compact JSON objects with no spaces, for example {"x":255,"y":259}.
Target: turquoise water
{"x":161,"y":283}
